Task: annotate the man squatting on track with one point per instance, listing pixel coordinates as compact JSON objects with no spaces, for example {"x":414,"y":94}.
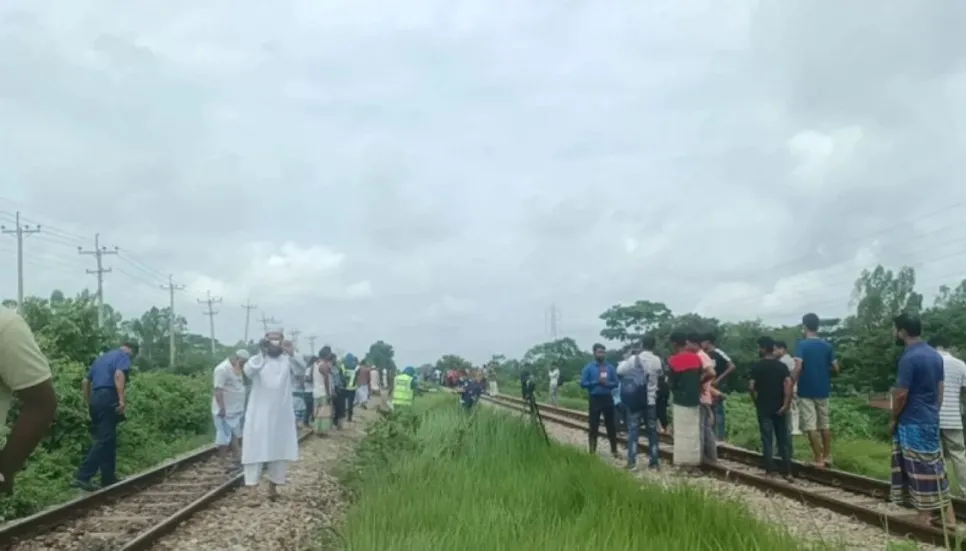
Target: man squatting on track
{"x":228,"y":404}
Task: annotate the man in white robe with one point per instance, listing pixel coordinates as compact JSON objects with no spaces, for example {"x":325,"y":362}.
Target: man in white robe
{"x":270,"y":440}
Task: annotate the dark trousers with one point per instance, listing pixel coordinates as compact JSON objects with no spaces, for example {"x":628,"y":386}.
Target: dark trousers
{"x":102,"y":456}
{"x":349,"y":397}
{"x":775,"y":428}
{"x":602,"y":405}
{"x":661,"y":409}
{"x":338,"y":407}
{"x":309,"y":408}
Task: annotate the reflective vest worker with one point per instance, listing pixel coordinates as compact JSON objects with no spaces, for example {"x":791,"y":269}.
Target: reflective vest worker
{"x":402,"y":392}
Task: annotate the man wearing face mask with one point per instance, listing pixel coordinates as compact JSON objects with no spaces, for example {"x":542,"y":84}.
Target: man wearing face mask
{"x":270,"y":437}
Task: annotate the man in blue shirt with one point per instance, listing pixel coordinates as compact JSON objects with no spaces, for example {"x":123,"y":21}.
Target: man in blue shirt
{"x":918,"y":476}
{"x":814,"y":363}
{"x":599,"y":378}
{"x":103,"y":389}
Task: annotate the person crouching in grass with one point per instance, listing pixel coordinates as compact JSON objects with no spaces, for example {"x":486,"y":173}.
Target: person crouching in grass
{"x":684,"y":380}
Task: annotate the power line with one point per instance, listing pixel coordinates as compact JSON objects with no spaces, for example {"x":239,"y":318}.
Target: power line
{"x":98,"y":252}
{"x":248,"y":316}
{"x":171,"y":287}
{"x":266,"y":320}
{"x":20,"y":231}
{"x":211,"y":313}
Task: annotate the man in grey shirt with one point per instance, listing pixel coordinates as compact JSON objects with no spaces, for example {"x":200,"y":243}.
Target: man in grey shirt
{"x":648,"y":362}
{"x":781,"y":352}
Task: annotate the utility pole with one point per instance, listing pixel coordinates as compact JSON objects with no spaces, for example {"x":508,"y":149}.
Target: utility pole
{"x":98,"y":253}
{"x":248,"y":316}
{"x":21,"y":230}
{"x":553,"y":318}
{"x":171,"y":287}
{"x":266,"y":320}
{"x":312,"y":344}
{"x":211,"y":302}
{"x":295,"y":338}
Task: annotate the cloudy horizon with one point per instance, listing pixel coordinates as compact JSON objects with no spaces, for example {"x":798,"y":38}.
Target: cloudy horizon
{"x":438,"y":174}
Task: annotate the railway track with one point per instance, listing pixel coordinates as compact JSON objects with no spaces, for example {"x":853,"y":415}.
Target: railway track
{"x":131,"y":515}
{"x":862,"y":498}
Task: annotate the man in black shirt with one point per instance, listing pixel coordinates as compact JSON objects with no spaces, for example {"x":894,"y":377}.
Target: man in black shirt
{"x":771,"y":390}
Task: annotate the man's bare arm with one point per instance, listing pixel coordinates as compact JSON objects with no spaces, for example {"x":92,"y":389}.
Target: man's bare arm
{"x":37,"y":411}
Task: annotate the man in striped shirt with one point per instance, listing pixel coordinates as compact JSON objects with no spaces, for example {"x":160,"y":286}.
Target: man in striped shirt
{"x":950,"y":412}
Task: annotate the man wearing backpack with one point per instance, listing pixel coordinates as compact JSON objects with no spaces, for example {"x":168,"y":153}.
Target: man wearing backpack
{"x":640,"y":375}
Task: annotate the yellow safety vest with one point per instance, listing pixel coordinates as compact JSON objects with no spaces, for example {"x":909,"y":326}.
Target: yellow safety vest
{"x":402,"y":392}
{"x":350,"y":377}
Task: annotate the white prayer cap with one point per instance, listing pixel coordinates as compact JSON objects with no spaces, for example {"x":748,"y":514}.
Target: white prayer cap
{"x":242,"y":354}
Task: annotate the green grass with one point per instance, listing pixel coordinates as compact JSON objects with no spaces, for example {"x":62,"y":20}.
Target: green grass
{"x":443,"y":480}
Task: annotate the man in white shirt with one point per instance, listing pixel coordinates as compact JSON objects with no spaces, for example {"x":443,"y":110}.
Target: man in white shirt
{"x":781,"y":352}
{"x":650,"y":366}
{"x":554,"y":375}
{"x":228,"y":403}
{"x":950,"y":413}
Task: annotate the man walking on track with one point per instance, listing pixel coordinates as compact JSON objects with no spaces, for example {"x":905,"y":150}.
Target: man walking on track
{"x":322,"y":390}
{"x":103,"y":389}
{"x":599,"y":379}
{"x":363,"y":379}
{"x":918,"y":477}
{"x":950,"y":414}
{"x":350,"y":374}
{"x":228,"y":403}
{"x":24,"y":373}
{"x":814,"y":364}
{"x":270,"y":436}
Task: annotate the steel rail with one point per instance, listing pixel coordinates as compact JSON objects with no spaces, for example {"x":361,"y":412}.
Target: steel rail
{"x":902,"y":524}
{"x":50,"y":519}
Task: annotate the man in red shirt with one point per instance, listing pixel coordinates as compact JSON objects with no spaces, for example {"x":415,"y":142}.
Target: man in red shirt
{"x":686,"y":371}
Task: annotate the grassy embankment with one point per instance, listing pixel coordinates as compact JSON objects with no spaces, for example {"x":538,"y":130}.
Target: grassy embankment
{"x":441,"y":480}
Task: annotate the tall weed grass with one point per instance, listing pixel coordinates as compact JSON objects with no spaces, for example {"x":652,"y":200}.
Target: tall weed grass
{"x":443,"y":480}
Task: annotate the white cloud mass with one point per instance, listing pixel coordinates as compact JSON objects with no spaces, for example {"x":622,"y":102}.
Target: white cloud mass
{"x":438,"y":173}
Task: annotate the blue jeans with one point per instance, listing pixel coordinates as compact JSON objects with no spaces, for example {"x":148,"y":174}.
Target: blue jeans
{"x":633,"y":421}
{"x":719,"y":420}
{"x":103,"y":453}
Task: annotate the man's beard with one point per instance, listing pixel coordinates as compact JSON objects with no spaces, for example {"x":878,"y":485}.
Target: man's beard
{"x":273,"y":352}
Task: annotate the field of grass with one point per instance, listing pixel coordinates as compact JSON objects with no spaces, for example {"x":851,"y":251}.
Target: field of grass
{"x":860,"y":444}
{"x":443,"y":480}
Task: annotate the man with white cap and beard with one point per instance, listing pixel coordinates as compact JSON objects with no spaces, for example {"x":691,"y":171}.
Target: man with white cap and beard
{"x":270,"y":436}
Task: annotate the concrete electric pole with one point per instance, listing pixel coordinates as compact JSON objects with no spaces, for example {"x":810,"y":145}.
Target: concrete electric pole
{"x":266,"y":320}
{"x":211,"y":313}
{"x":248,"y":316}
{"x":21,"y":231}
{"x":171,"y":287}
{"x":98,"y":253}
{"x":312,"y":350}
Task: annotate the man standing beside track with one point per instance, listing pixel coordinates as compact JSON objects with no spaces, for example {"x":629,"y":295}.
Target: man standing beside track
{"x":24,"y":373}
{"x":270,"y":436}
{"x":228,"y":403}
{"x":950,"y":412}
{"x":814,"y":364}
{"x":723,"y":368}
{"x":554,"y":375}
{"x":770,"y":386}
{"x":686,"y":371}
{"x":918,"y":475}
{"x":103,"y":389}
{"x":599,"y":379}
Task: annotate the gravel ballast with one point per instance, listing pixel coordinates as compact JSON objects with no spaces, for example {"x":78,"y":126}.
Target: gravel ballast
{"x":311,"y":502}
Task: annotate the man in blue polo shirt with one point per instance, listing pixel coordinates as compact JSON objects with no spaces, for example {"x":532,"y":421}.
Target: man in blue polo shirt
{"x":104,"y":393}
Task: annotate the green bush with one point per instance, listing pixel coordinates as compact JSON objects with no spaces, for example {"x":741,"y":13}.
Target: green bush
{"x":442,"y":479}
{"x":167,"y":413}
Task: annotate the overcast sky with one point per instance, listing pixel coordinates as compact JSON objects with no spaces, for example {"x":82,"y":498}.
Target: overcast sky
{"x":437,"y":173}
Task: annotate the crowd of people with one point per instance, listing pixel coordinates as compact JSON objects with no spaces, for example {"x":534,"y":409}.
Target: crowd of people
{"x":791,"y":395}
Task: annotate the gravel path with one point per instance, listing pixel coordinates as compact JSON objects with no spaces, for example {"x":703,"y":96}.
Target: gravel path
{"x":803,"y":521}
{"x":310,"y":502}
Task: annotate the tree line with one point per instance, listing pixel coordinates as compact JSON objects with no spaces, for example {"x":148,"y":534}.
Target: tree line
{"x":862,"y":339}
